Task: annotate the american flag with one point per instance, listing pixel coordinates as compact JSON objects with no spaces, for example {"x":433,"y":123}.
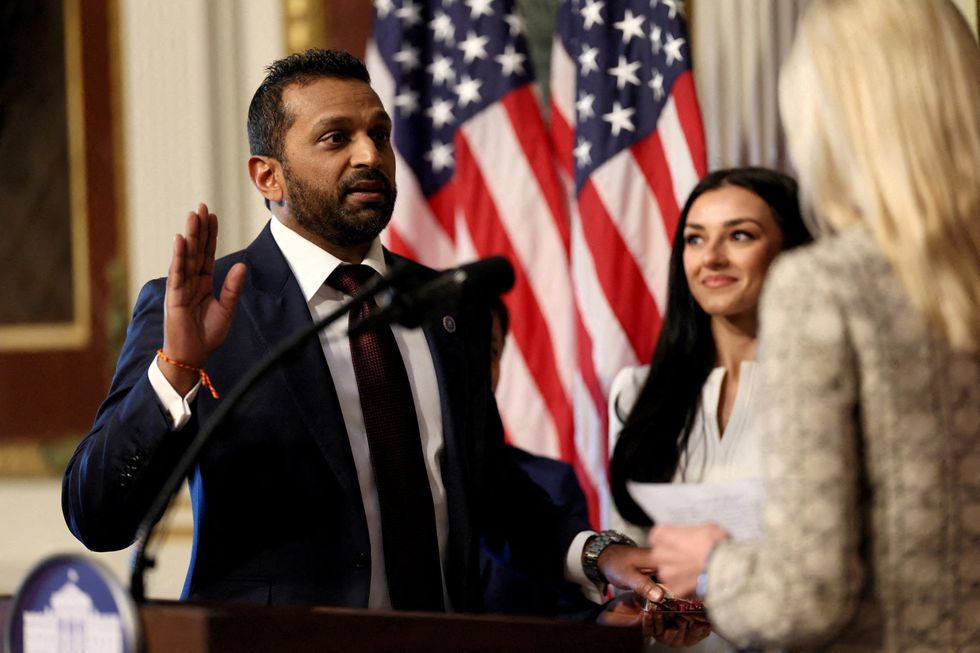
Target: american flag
{"x":476,"y":177}
{"x":585,"y":213}
{"x":626,"y":123}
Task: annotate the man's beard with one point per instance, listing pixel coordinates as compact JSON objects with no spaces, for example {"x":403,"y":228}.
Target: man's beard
{"x":328,"y":216}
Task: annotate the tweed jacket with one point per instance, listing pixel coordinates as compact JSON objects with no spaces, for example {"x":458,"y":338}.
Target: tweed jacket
{"x":873,"y":469}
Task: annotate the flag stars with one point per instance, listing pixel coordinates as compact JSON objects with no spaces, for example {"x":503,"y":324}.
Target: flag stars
{"x":410,"y":13}
{"x":515,"y":24}
{"x":474,"y":47}
{"x":383,"y":7}
{"x":673,"y":7}
{"x":443,"y":28}
{"x":407,"y":58}
{"x":441,"y":113}
{"x":479,"y":8}
{"x":441,"y":70}
{"x":657,"y":84}
{"x":672,"y":48}
{"x":590,"y":13}
{"x":630,"y":26}
{"x":625,"y":73}
{"x":440,"y":156}
{"x":587,"y":60}
{"x":656,"y":39}
{"x":583,"y":153}
{"x":511,"y":61}
{"x":468,"y":91}
{"x":407,"y":101}
{"x":619,"y":118}
{"x":584,"y":106}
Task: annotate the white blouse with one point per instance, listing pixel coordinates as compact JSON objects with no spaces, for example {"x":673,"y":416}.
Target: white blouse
{"x":710,"y":455}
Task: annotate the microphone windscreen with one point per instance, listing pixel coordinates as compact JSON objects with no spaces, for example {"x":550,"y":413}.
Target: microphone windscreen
{"x":487,"y":278}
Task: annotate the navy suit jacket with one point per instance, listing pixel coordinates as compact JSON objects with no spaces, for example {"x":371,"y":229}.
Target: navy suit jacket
{"x":509,"y":591}
{"x":278,"y":516}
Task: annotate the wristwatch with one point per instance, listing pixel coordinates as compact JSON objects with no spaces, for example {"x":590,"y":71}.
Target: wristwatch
{"x":594,"y":547}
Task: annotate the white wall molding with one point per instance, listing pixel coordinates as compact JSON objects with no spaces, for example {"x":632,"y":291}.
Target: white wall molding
{"x":188,"y":71}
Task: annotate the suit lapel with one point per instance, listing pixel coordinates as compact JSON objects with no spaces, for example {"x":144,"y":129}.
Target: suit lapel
{"x":462,"y":454}
{"x":451,"y":359}
{"x":276,"y":309}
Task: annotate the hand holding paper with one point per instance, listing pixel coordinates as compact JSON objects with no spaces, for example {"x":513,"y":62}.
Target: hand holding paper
{"x":691,"y":518}
{"x":736,"y":506}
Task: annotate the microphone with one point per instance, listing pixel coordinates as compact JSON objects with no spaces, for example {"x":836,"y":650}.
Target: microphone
{"x":412,"y":304}
{"x":141,"y":559}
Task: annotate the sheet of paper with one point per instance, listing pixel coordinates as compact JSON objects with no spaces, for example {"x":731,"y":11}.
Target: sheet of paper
{"x":736,"y":506}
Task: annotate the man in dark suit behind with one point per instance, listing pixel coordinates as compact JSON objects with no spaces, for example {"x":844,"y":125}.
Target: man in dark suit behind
{"x":285,"y":494}
{"x":508,"y":590}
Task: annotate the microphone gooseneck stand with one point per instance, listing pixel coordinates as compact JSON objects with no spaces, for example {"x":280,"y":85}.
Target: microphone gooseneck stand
{"x":140,"y":560}
{"x":415,"y":300}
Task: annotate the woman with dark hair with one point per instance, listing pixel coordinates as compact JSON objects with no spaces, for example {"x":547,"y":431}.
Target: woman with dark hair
{"x":870,"y":345}
{"x":687,"y":415}
{"x":692,"y":414}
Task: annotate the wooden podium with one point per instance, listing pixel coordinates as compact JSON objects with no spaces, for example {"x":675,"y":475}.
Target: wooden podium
{"x":172,"y":627}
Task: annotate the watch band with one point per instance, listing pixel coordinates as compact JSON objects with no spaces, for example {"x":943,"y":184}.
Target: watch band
{"x":594,"y":547}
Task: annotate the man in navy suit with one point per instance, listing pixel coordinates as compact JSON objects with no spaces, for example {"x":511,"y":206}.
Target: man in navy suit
{"x":286,"y":507}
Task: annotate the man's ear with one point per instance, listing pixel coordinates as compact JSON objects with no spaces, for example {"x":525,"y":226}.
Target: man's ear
{"x":266,"y":174}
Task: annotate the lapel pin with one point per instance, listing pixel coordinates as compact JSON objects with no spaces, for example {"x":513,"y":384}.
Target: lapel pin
{"x":449,"y":324}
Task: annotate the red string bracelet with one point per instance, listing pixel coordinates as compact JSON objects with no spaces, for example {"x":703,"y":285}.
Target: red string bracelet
{"x":205,"y":379}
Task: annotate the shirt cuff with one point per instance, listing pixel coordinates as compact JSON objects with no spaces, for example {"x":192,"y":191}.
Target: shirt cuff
{"x":177,"y":407}
{"x":573,"y":568}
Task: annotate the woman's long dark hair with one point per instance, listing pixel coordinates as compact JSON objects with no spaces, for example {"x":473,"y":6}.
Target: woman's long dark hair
{"x":657,"y":429}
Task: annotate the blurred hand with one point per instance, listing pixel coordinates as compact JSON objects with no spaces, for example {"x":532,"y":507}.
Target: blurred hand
{"x":195,"y":323}
{"x":680,"y":553}
{"x":677,"y":630}
{"x":670,"y":628}
{"x":624,"y":610}
{"x":630,"y":568}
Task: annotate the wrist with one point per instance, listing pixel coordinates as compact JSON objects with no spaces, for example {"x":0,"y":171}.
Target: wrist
{"x":181,"y":376}
{"x":701,"y":587}
{"x":594,"y":547}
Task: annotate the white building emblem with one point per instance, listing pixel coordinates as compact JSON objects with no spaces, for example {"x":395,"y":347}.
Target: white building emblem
{"x":70,"y":623}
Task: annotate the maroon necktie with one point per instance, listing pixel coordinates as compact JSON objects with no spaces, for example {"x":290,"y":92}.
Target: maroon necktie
{"x":408,"y":525}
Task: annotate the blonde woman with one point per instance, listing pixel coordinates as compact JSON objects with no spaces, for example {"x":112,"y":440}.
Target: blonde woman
{"x":869,"y":340}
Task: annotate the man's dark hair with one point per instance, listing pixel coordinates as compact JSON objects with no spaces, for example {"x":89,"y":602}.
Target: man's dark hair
{"x":268,"y":119}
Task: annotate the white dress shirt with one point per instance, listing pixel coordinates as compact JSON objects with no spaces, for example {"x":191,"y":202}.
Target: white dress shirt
{"x":311,"y":266}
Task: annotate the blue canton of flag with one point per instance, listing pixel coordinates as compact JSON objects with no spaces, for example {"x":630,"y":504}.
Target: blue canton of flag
{"x":449,"y":61}
{"x":629,"y":55}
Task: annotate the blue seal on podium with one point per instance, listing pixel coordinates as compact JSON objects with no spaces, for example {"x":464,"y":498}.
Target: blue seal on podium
{"x":72,"y":603}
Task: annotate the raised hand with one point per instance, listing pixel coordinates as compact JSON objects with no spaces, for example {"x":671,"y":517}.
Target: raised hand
{"x":195,"y":323}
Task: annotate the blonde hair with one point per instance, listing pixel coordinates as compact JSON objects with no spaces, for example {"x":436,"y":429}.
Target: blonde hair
{"x":881,"y":101}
